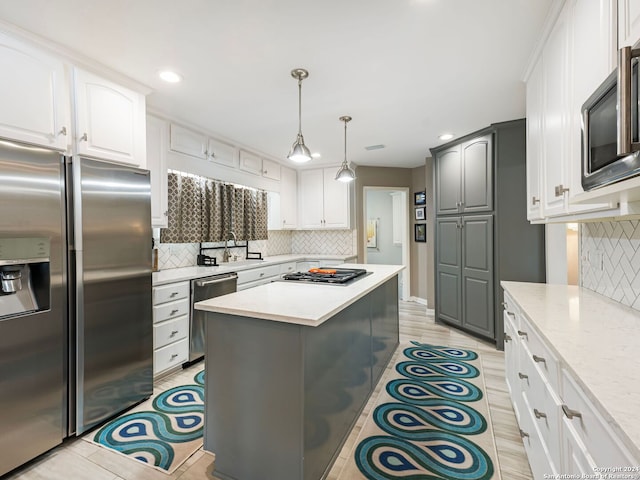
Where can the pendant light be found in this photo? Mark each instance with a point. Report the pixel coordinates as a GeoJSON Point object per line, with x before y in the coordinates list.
{"type": "Point", "coordinates": [345, 174]}
{"type": "Point", "coordinates": [299, 152]}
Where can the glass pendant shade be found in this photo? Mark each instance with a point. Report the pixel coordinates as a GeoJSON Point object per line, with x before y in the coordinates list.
{"type": "Point", "coordinates": [345, 174]}
{"type": "Point", "coordinates": [299, 152]}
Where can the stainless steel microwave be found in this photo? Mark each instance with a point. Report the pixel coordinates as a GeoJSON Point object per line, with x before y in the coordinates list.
{"type": "Point", "coordinates": [610, 133]}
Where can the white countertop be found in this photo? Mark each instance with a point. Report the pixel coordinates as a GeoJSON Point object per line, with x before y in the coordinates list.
{"type": "Point", "coordinates": [595, 338]}
{"type": "Point", "coordinates": [187, 273]}
{"type": "Point", "coordinates": [299, 302]}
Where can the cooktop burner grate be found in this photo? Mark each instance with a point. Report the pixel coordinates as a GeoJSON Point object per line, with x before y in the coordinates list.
{"type": "Point", "coordinates": [338, 275]}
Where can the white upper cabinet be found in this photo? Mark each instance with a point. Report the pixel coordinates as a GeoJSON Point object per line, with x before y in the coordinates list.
{"type": "Point", "coordinates": [577, 56]}
{"type": "Point", "coordinates": [157, 146]}
{"type": "Point", "coordinates": [534, 143]}
{"type": "Point", "coordinates": [288, 198]}
{"type": "Point", "coordinates": [221, 153]}
{"type": "Point", "coordinates": [271, 169]}
{"type": "Point", "coordinates": [188, 142]}
{"type": "Point", "coordinates": [110, 120]}
{"type": "Point", "coordinates": [35, 96]}
{"type": "Point", "coordinates": [628, 22]}
{"type": "Point", "coordinates": [250, 163]}
{"type": "Point", "coordinates": [324, 201]}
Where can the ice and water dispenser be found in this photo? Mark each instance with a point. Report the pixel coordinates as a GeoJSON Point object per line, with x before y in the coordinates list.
{"type": "Point", "coordinates": [25, 278]}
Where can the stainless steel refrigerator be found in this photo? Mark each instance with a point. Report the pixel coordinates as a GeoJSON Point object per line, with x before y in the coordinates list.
{"type": "Point", "coordinates": [76, 344]}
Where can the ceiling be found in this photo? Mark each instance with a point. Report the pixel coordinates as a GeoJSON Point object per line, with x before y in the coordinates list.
{"type": "Point", "coordinates": [405, 70]}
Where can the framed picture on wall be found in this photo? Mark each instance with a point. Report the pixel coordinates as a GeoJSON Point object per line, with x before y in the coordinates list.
{"type": "Point", "coordinates": [420, 232]}
{"type": "Point", "coordinates": [372, 233]}
{"type": "Point", "coordinates": [420, 213]}
{"type": "Point", "coordinates": [420, 198]}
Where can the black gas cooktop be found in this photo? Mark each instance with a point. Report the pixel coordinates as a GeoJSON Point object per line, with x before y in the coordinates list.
{"type": "Point", "coordinates": [339, 276]}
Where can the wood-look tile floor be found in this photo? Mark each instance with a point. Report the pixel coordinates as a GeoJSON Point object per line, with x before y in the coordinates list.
{"type": "Point", "coordinates": [78, 459]}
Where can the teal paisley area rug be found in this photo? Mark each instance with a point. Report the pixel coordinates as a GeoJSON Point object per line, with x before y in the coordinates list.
{"type": "Point", "coordinates": [430, 421]}
{"type": "Point", "coordinates": [161, 432]}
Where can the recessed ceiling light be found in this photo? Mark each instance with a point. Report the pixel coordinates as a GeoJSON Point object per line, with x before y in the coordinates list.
{"type": "Point", "coordinates": [169, 76]}
{"type": "Point", "coordinates": [316, 155]}
{"type": "Point", "coordinates": [446, 136]}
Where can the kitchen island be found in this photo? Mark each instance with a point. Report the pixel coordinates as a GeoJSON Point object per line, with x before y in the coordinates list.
{"type": "Point", "coordinates": [289, 367]}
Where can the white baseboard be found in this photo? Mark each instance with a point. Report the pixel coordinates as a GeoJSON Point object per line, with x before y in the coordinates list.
{"type": "Point", "coordinates": [430, 311]}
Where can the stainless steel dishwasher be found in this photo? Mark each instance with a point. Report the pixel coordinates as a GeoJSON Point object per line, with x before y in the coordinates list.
{"type": "Point", "coordinates": [204, 289]}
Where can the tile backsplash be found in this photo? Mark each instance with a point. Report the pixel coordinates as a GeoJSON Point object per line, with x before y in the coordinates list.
{"type": "Point", "coordinates": [280, 242]}
{"type": "Point", "coordinates": [610, 260]}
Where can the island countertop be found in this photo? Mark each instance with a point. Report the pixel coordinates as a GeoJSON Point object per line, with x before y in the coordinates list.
{"type": "Point", "coordinates": [300, 303]}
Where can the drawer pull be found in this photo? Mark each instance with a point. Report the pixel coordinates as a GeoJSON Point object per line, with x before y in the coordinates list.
{"type": "Point", "coordinates": [507, 337]}
{"type": "Point", "coordinates": [174, 311]}
{"type": "Point", "coordinates": [539, 414]}
{"type": "Point", "coordinates": [173, 294]}
{"type": "Point", "coordinates": [262, 274]}
{"type": "Point", "coordinates": [522, 375]}
{"type": "Point", "coordinates": [570, 413]}
{"type": "Point", "coordinates": [523, 334]}
{"type": "Point", "coordinates": [504, 305]}
{"type": "Point", "coordinates": [173, 333]}
{"type": "Point", "coordinates": [173, 357]}
{"type": "Point", "coordinates": [523, 434]}
{"type": "Point", "coordinates": [538, 359]}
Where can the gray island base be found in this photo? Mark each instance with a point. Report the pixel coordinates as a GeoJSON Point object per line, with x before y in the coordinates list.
{"type": "Point", "coordinates": [281, 398]}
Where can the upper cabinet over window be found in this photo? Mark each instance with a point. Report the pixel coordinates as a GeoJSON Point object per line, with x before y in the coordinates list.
{"type": "Point", "coordinates": [110, 120]}
{"type": "Point", "coordinates": [198, 145]}
{"type": "Point", "coordinates": [35, 96]}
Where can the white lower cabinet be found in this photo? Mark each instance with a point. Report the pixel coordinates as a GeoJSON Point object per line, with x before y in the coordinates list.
{"type": "Point", "coordinates": [170, 326]}
{"type": "Point", "coordinates": [562, 431]}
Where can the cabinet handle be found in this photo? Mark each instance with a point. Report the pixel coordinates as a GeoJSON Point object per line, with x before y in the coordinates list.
{"type": "Point", "coordinates": [173, 294]}
{"type": "Point", "coordinates": [534, 200]}
{"type": "Point", "coordinates": [173, 357]}
{"type": "Point", "coordinates": [213, 154]}
{"type": "Point", "coordinates": [523, 434]}
{"type": "Point", "coordinates": [560, 189]}
{"type": "Point", "coordinates": [522, 376]}
{"type": "Point", "coordinates": [504, 305]}
{"type": "Point", "coordinates": [523, 334]}
{"type": "Point", "coordinates": [63, 131]}
{"type": "Point", "coordinates": [166, 213]}
{"type": "Point", "coordinates": [570, 413]}
{"type": "Point", "coordinates": [206, 153]}
{"type": "Point", "coordinates": [173, 333]}
{"type": "Point", "coordinates": [264, 172]}
{"type": "Point", "coordinates": [174, 311]}
{"type": "Point", "coordinates": [507, 337]}
{"type": "Point", "coordinates": [262, 274]}
{"type": "Point", "coordinates": [83, 137]}
{"type": "Point", "coordinates": [538, 359]}
{"type": "Point", "coordinates": [539, 414]}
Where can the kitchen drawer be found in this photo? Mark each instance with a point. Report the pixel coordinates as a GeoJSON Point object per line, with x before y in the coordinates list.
{"type": "Point", "coordinates": [170, 356]}
{"type": "Point", "coordinates": [577, 460]}
{"type": "Point", "coordinates": [170, 292]}
{"type": "Point", "coordinates": [601, 442]}
{"type": "Point", "coordinates": [511, 310]}
{"type": "Point", "coordinates": [170, 331]}
{"type": "Point", "coordinates": [511, 356]}
{"type": "Point", "coordinates": [537, 453]}
{"type": "Point", "coordinates": [287, 267]}
{"type": "Point", "coordinates": [259, 273]}
{"type": "Point", "coordinates": [169, 310]}
{"type": "Point", "coordinates": [544, 406]}
{"type": "Point", "coordinates": [540, 354]}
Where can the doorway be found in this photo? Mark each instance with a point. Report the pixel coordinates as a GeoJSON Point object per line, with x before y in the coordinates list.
{"type": "Point", "coordinates": [386, 230]}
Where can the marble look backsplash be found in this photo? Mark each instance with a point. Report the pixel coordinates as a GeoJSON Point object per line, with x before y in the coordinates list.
{"type": "Point", "coordinates": [280, 242]}
{"type": "Point", "coordinates": [610, 260]}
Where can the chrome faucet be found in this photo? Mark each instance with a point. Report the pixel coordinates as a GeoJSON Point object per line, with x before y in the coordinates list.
{"type": "Point", "coordinates": [225, 253]}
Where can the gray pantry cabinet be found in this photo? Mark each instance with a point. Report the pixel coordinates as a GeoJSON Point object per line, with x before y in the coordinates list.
{"type": "Point", "coordinates": [482, 233]}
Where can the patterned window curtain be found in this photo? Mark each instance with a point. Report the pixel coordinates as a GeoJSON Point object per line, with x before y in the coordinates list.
{"type": "Point", "coordinates": [213, 209]}
{"type": "Point", "coordinates": [206, 210]}
{"type": "Point", "coordinates": [185, 210]}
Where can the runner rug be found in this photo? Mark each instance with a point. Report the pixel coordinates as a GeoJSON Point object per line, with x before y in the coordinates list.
{"type": "Point", "coordinates": [163, 431]}
{"type": "Point", "coordinates": [430, 421]}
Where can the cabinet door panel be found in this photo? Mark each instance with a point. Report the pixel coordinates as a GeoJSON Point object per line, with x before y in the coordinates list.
{"type": "Point", "coordinates": [448, 287]}
{"type": "Point", "coordinates": [250, 163]}
{"type": "Point", "coordinates": [311, 194]}
{"type": "Point", "coordinates": [221, 153]}
{"type": "Point", "coordinates": [477, 160]}
{"type": "Point", "coordinates": [448, 179]}
{"type": "Point", "coordinates": [535, 141]}
{"type": "Point", "coordinates": [288, 198]}
{"type": "Point", "coordinates": [628, 22]}
{"type": "Point", "coordinates": [187, 141]}
{"type": "Point", "coordinates": [270, 169]}
{"type": "Point", "coordinates": [157, 136]}
{"type": "Point", "coordinates": [336, 201]}
{"type": "Point", "coordinates": [477, 274]}
{"type": "Point", "coordinates": [111, 120]}
{"type": "Point", "coordinates": [28, 74]}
